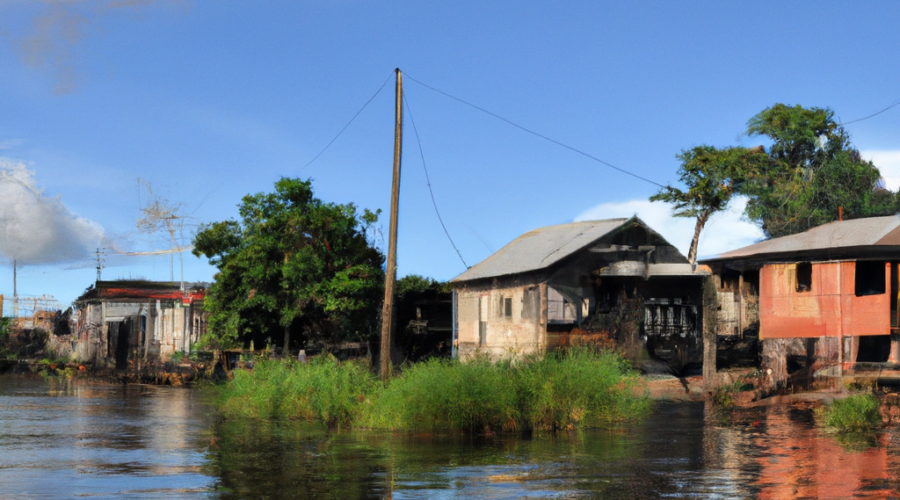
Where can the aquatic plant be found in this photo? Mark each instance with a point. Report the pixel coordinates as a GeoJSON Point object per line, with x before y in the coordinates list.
{"type": "Point", "coordinates": [723, 396]}
{"type": "Point", "coordinates": [444, 394]}
{"type": "Point", "coordinates": [858, 412]}
{"type": "Point", "coordinates": [576, 389]}
{"type": "Point", "coordinates": [324, 390]}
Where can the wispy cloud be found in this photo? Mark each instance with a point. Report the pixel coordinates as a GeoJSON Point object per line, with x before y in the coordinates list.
{"type": "Point", "coordinates": [9, 143]}
{"type": "Point", "coordinates": [36, 229]}
{"type": "Point", "coordinates": [725, 230]}
{"type": "Point", "coordinates": [56, 30]}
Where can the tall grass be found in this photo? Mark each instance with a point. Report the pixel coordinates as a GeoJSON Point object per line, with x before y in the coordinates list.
{"type": "Point", "coordinates": [853, 413]}
{"type": "Point", "coordinates": [442, 394]}
{"type": "Point", "coordinates": [578, 388]}
{"type": "Point", "coordinates": [324, 390]}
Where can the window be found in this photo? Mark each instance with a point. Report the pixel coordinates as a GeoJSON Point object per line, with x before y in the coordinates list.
{"type": "Point", "coordinates": [507, 307]}
{"type": "Point", "coordinates": [870, 278]}
{"type": "Point", "coordinates": [804, 276]}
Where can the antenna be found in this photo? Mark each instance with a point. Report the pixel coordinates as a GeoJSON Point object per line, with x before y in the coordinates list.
{"type": "Point", "coordinates": [101, 260]}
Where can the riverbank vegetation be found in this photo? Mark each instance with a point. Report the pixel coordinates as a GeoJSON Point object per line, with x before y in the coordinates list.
{"type": "Point", "coordinates": [571, 390]}
{"type": "Point", "coordinates": [858, 412]}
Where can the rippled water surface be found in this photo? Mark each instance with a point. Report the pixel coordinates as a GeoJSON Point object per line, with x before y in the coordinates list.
{"type": "Point", "coordinates": [71, 439]}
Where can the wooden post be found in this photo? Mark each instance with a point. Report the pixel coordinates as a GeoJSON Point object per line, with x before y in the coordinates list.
{"type": "Point", "coordinates": [740, 305]}
{"type": "Point", "coordinates": [387, 313]}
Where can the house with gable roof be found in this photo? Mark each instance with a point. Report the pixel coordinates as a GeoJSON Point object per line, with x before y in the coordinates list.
{"type": "Point", "coordinates": [556, 284]}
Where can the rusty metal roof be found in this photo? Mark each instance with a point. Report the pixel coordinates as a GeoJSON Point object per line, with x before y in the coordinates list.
{"type": "Point", "coordinates": [837, 235]}
{"type": "Point", "coordinates": [541, 248]}
{"type": "Point", "coordinates": [143, 290]}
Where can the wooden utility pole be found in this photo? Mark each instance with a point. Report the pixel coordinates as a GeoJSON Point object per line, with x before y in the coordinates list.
{"type": "Point", "coordinates": [387, 313]}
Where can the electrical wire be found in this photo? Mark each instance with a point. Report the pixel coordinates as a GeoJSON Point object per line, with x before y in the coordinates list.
{"type": "Point", "coordinates": [895, 103]}
{"type": "Point", "coordinates": [428, 181]}
{"type": "Point", "coordinates": [348, 124]}
{"type": "Point", "coordinates": [532, 132]}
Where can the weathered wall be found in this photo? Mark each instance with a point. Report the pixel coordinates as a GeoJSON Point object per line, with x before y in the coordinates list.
{"type": "Point", "coordinates": [483, 327]}
{"type": "Point", "coordinates": [829, 308]}
{"type": "Point", "coordinates": [738, 303]}
{"type": "Point", "coordinates": [169, 327]}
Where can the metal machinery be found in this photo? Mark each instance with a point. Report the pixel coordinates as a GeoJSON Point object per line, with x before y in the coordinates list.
{"type": "Point", "coordinates": [671, 329]}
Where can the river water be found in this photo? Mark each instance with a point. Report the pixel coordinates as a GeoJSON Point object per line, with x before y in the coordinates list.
{"type": "Point", "coordinates": [75, 439]}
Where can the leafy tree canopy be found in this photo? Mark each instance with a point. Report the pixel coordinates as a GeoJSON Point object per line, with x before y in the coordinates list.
{"type": "Point", "coordinates": [417, 283]}
{"type": "Point", "coordinates": [813, 169]}
{"type": "Point", "coordinates": [292, 261]}
{"type": "Point", "coordinates": [712, 177]}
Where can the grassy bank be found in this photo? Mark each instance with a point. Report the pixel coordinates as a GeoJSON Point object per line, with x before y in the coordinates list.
{"type": "Point", "coordinates": [853, 413]}
{"type": "Point", "coordinates": [580, 388]}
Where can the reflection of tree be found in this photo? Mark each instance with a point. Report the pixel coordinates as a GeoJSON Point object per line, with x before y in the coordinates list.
{"type": "Point", "coordinates": [257, 459]}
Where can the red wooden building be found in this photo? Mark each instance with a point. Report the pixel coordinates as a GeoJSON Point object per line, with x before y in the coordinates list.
{"type": "Point", "coordinates": [828, 294]}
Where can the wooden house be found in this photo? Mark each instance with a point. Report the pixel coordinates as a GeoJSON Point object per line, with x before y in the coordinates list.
{"type": "Point", "coordinates": [557, 285]}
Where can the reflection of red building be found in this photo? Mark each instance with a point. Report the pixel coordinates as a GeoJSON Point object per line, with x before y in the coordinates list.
{"type": "Point", "coordinates": [799, 461]}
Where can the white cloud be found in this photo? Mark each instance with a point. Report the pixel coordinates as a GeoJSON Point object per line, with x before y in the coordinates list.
{"type": "Point", "coordinates": [725, 230]}
{"type": "Point", "coordinates": [888, 162]}
{"type": "Point", "coordinates": [10, 143]}
{"type": "Point", "coordinates": [35, 229]}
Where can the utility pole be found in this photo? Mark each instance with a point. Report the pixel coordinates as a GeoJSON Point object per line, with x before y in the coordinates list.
{"type": "Point", "coordinates": [387, 313]}
{"type": "Point", "coordinates": [15, 312]}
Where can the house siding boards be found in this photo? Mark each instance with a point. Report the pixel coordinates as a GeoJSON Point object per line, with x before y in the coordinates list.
{"type": "Point", "coordinates": [830, 308]}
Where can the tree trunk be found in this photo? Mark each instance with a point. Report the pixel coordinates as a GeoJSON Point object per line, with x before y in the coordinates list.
{"type": "Point", "coordinates": [287, 341]}
{"type": "Point", "coordinates": [701, 221]}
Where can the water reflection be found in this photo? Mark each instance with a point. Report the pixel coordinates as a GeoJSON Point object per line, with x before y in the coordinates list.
{"type": "Point", "coordinates": [62, 439]}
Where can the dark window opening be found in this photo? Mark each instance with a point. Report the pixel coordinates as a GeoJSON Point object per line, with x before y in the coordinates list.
{"type": "Point", "coordinates": [795, 363]}
{"type": "Point", "coordinates": [804, 277]}
{"type": "Point", "coordinates": [507, 307]}
{"type": "Point", "coordinates": [870, 278]}
{"type": "Point", "coordinates": [873, 348]}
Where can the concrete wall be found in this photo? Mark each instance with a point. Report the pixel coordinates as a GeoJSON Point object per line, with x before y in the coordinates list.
{"type": "Point", "coordinates": [169, 327]}
{"type": "Point", "coordinates": [484, 327]}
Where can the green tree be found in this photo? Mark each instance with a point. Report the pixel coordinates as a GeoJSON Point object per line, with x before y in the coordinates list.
{"type": "Point", "coordinates": [418, 283]}
{"type": "Point", "coordinates": [712, 176]}
{"type": "Point", "coordinates": [292, 261]}
{"type": "Point", "coordinates": [813, 170]}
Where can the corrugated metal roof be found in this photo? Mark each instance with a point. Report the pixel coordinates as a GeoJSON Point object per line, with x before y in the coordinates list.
{"type": "Point", "coordinates": [540, 248]}
{"type": "Point", "coordinates": [871, 231]}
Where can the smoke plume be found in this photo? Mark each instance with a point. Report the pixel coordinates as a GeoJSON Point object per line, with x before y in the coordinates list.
{"type": "Point", "coordinates": [36, 229]}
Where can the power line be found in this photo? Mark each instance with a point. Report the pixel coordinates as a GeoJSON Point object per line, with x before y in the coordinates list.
{"type": "Point", "coordinates": [532, 132]}
{"type": "Point", "coordinates": [428, 181]}
{"type": "Point", "coordinates": [348, 123]}
{"type": "Point", "coordinates": [895, 103]}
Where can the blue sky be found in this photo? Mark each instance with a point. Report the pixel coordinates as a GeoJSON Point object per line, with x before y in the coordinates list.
{"type": "Point", "coordinates": [211, 100]}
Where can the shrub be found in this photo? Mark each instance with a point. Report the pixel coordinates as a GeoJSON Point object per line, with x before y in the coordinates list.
{"type": "Point", "coordinates": [853, 413]}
